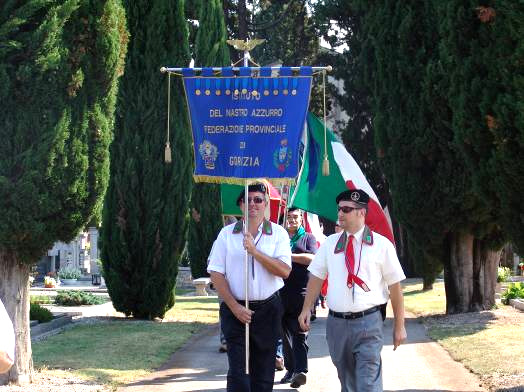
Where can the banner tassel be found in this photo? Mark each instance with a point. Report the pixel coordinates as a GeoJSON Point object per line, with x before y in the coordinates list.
{"type": "Point", "coordinates": [325, 167]}
{"type": "Point", "coordinates": [167, 151]}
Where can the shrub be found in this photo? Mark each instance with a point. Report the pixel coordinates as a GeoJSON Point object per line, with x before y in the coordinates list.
{"type": "Point", "coordinates": [514, 291]}
{"type": "Point", "coordinates": [40, 299]}
{"type": "Point", "coordinates": [69, 273]}
{"type": "Point", "coordinates": [503, 273]}
{"type": "Point", "coordinates": [36, 312]}
{"type": "Point", "coordinates": [77, 298]}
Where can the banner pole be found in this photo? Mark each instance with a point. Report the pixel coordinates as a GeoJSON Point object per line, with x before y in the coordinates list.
{"type": "Point", "coordinates": [246, 271]}
{"type": "Point", "coordinates": [219, 69]}
{"type": "Point", "coordinates": [246, 266]}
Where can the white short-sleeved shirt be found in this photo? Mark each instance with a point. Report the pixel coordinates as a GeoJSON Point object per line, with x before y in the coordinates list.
{"type": "Point", "coordinates": [7, 334]}
{"type": "Point", "coordinates": [379, 268]}
{"type": "Point", "coordinates": [227, 257]}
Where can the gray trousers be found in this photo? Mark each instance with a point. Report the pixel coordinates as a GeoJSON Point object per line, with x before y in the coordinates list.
{"type": "Point", "coordinates": [355, 346]}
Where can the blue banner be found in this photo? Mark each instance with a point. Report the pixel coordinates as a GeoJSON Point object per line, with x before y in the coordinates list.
{"type": "Point", "coordinates": [247, 125]}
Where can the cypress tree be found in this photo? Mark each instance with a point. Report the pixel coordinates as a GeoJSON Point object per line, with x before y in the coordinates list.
{"type": "Point", "coordinates": [416, 125]}
{"type": "Point", "coordinates": [59, 67]}
{"type": "Point", "coordinates": [144, 225]}
{"type": "Point", "coordinates": [484, 84]}
{"type": "Point", "coordinates": [206, 210]}
{"type": "Point", "coordinates": [505, 66]}
{"type": "Point", "coordinates": [358, 134]}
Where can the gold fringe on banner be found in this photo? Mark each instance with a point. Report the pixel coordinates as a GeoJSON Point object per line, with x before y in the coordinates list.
{"type": "Point", "coordinates": [242, 181]}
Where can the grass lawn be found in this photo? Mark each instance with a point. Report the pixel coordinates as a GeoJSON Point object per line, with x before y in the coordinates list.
{"type": "Point", "coordinates": [424, 303]}
{"type": "Point", "coordinates": [120, 351]}
{"type": "Point", "coordinates": [489, 343]}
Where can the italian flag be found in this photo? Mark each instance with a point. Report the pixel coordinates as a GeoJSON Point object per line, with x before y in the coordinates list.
{"type": "Point", "coordinates": [316, 193]}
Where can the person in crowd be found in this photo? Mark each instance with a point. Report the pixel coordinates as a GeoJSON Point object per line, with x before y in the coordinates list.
{"type": "Point", "coordinates": [222, 348]}
{"type": "Point", "coordinates": [269, 262]}
{"type": "Point", "coordinates": [7, 341]}
{"type": "Point", "coordinates": [364, 271]}
{"type": "Point", "coordinates": [303, 247]}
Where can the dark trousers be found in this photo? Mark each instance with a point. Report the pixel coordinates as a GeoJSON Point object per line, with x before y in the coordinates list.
{"type": "Point", "coordinates": [293, 339]}
{"type": "Point", "coordinates": [263, 335]}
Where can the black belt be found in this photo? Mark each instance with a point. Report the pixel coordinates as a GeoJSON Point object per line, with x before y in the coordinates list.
{"type": "Point", "coordinates": [350, 315]}
{"type": "Point", "coordinates": [256, 304]}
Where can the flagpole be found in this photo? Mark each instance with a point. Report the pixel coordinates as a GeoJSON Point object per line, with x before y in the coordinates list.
{"type": "Point", "coordinates": [304, 157]}
{"type": "Point", "coordinates": [280, 206]}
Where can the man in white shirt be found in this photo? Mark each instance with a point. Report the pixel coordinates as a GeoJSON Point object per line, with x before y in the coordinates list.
{"type": "Point", "coordinates": [7, 341]}
{"type": "Point", "coordinates": [364, 271]}
{"type": "Point", "coordinates": [269, 261]}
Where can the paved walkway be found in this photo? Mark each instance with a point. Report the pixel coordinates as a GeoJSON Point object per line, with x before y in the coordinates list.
{"type": "Point", "coordinates": [419, 365]}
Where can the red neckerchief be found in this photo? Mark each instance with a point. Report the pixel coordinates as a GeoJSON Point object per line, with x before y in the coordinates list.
{"type": "Point", "coordinates": [347, 244]}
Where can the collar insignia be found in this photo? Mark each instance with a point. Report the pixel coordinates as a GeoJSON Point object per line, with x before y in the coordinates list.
{"type": "Point", "coordinates": [266, 227]}
{"type": "Point", "coordinates": [238, 227]}
{"type": "Point", "coordinates": [341, 243]}
{"type": "Point", "coordinates": [367, 236]}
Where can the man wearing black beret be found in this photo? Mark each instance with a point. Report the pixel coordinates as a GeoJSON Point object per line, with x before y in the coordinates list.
{"type": "Point", "coordinates": [364, 271]}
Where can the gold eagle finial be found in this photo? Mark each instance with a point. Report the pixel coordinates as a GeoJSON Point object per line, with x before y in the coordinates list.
{"type": "Point", "coordinates": [246, 45]}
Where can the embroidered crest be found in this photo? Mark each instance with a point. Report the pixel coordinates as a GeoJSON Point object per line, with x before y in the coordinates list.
{"type": "Point", "coordinates": [355, 196]}
{"type": "Point", "coordinates": [282, 156]}
{"type": "Point", "coordinates": [209, 153]}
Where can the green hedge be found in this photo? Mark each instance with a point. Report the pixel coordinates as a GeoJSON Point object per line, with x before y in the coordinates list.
{"type": "Point", "coordinates": [76, 298]}
{"type": "Point", "coordinates": [42, 315]}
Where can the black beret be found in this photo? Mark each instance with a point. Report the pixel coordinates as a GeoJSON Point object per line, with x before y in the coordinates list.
{"type": "Point", "coordinates": [355, 195]}
{"type": "Point", "coordinates": [257, 187]}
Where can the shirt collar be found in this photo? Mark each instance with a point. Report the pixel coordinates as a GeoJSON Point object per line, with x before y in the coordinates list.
{"type": "Point", "coordinates": [357, 235]}
{"type": "Point", "coordinates": [364, 233]}
{"type": "Point", "coordinates": [265, 226]}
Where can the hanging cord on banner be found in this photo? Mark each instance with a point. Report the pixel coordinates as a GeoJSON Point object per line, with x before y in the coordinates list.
{"type": "Point", "coordinates": [167, 151]}
{"type": "Point", "coordinates": [280, 206]}
{"type": "Point", "coordinates": [325, 164]}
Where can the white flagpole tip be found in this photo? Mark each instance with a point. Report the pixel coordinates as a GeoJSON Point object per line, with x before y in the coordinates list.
{"type": "Point", "coordinates": [329, 68]}
{"type": "Point", "coordinates": [163, 69]}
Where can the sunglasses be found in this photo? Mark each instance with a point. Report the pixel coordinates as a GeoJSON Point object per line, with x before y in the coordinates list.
{"type": "Point", "coordinates": [256, 200]}
{"type": "Point", "coordinates": [347, 210]}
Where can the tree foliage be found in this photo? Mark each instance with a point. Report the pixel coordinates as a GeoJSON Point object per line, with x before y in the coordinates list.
{"type": "Point", "coordinates": [485, 92]}
{"type": "Point", "coordinates": [56, 117]}
{"type": "Point", "coordinates": [59, 67]}
{"type": "Point", "coordinates": [429, 71]}
{"type": "Point", "coordinates": [144, 222]}
{"type": "Point", "coordinates": [206, 210]}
